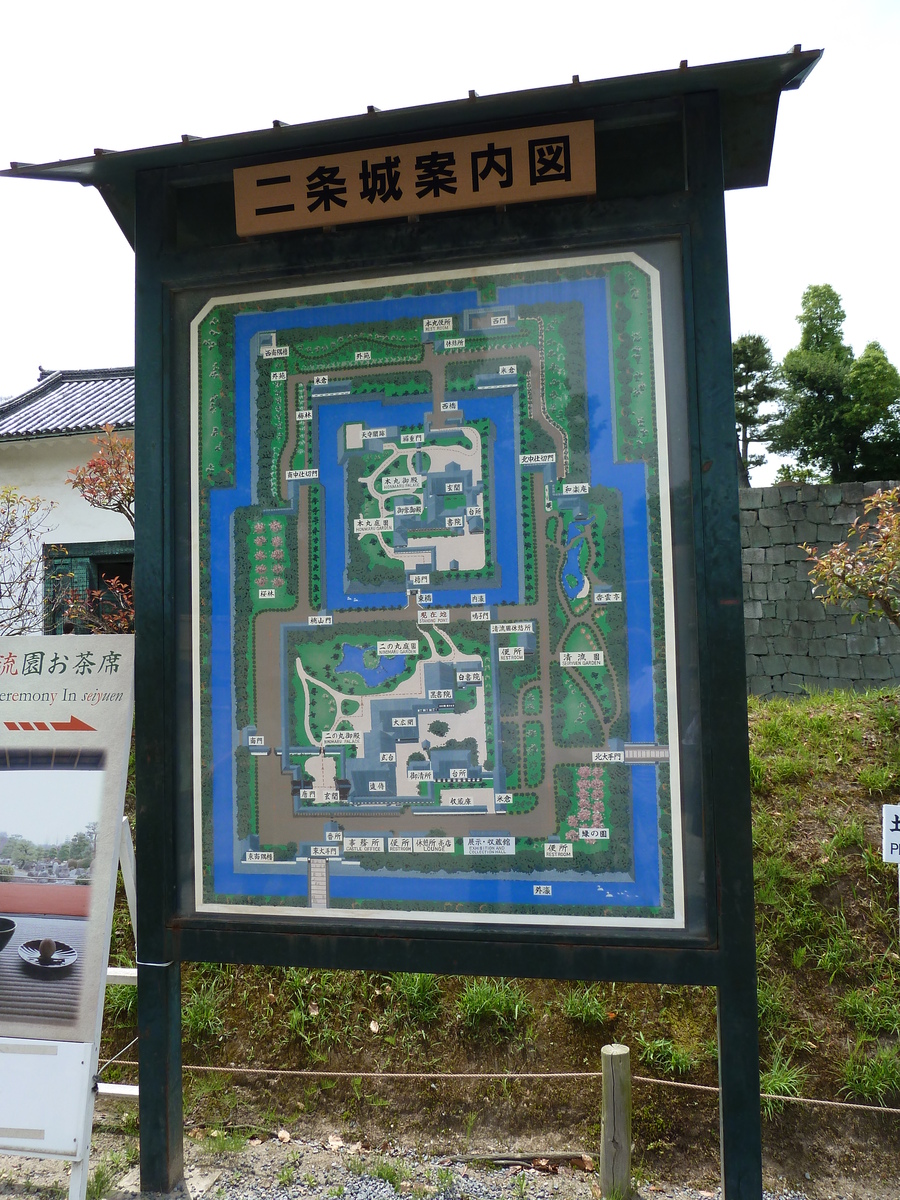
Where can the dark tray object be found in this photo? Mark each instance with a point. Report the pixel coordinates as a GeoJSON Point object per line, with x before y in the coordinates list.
{"type": "Point", "coordinates": [63, 958]}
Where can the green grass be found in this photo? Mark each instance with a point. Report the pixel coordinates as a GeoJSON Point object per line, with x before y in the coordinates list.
{"type": "Point", "coordinates": [498, 1004]}
{"type": "Point", "coordinates": [585, 1005]}
{"type": "Point", "coordinates": [201, 1014]}
{"type": "Point", "coordinates": [394, 1173]}
{"type": "Point", "coordinates": [665, 1055]}
{"type": "Point", "coordinates": [417, 995]}
{"type": "Point", "coordinates": [875, 1009]}
{"type": "Point", "coordinates": [782, 1077]}
{"type": "Point", "coordinates": [872, 1078]}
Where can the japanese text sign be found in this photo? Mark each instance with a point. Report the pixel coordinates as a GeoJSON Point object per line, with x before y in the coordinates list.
{"type": "Point", "coordinates": [890, 832]}
{"type": "Point", "coordinates": [426, 177]}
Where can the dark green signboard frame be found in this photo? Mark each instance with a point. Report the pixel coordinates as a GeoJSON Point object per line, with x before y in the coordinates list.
{"type": "Point", "coordinates": [667, 148]}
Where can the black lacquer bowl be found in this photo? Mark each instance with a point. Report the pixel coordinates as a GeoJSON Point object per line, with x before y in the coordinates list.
{"type": "Point", "coordinates": [7, 929]}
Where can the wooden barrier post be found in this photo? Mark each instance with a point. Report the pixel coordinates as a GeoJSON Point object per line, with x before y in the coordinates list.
{"type": "Point", "coordinates": [615, 1123]}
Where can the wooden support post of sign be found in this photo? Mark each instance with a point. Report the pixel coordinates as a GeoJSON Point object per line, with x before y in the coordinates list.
{"type": "Point", "coordinates": [615, 1123]}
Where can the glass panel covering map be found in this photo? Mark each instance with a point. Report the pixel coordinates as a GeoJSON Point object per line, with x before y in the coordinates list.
{"type": "Point", "coordinates": [433, 631]}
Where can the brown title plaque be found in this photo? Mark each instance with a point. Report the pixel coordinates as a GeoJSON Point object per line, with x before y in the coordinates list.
{"type": "Point", "coordinates": [440, 175]}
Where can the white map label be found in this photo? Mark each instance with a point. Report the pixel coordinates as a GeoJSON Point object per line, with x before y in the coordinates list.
{"type": "Point", "coordinates": [557, 850]}
{"type": "Point", "coordinates": [342, 737]}
{"type": "Point", "coordinates": [607, 756]}
{"type": "Point", "coordinates": [594, 834]}
{"type": "Point", "coordinates": [531, 460]}
{"type": "Point", "coordinates": [401, 483]}
{"type": "Point", "coordinates": [363, 845]}
{"type": "Point", "coordinates": [373, 524]}
{"type": "Point", "coordinates": [511, 653]}
{"type": "Point", "coordinates": [436, 324]}
{"type": "Point", "coordinates": [391, 648]}
{"type": "Point", "coordinates": [433, 845]}
{"type": "Point", "coordinates": [259, 856]}
{"type": "Point", "coordinates": [309, 473]}
{"type": "Point", "coordinates": [325, 852]}
{"type": "Point", "coordinates": [513, 627]}
{"type": "Point", "coordinates": [434, 616]}
{"type": "Point", "coordinates": [469, 677]}
{"type": "Point", "coordinates": [279, 376]}
{"type": "Point", "coordinates": [581, 658]}
{"type": "Point", "coordinates": [321, 619]}
{"type": "Point", "coordinates": [489, 845]}
{"type": "Point", "coordinates": [304, 414]}
{"type": "Point", "coordinates": [400, 845]}
{"type": "Point", "coordinates": [607, 597]}
{"type": "Point", "coordinates": [275, 351]}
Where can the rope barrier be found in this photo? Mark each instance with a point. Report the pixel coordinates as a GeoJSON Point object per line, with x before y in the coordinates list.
{"type": "Point", "coordinates": [507, 1076]}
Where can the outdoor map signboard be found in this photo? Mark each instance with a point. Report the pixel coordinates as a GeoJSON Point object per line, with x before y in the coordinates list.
{"type": "Point", "coordinates": [65, 731]}
{"type": "Point", "coordinates": [437, 564]}
{"type": "Point", "coordinates": [435, 661]}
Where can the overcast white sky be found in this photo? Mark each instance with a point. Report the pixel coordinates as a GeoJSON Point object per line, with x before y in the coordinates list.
{"type": "Point", "coordinates": [49, 807]}
{"type": "Point", "coordinates": [120, 76]}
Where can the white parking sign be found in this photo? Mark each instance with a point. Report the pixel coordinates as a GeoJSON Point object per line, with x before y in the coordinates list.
{"type": "Point", "coordinates": [890, 832]}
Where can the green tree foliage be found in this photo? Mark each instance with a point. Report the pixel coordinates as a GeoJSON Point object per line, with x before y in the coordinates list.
{"type": "Point", "coordinates": [867, 565]}
{"type": "Point", "coordinates": [755, 385]}
{"type": "Point", "coordinates": [837, 413]}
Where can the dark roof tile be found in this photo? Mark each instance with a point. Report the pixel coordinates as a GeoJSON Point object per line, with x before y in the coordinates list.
{"type": "Point", "coordinates": [71, 402]}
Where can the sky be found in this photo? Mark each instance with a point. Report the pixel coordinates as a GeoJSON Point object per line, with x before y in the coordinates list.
{"type": "Point", "coordinates": [122, 76]}
{"type": "Point", "coordinates": [49, 807]}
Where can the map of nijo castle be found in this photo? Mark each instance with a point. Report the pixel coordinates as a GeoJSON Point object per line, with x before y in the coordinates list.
{"type": "Point", "coordinates": [432, 622]}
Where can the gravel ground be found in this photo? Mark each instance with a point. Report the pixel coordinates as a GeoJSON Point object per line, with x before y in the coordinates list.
{"type": "Point", "coordinates": [292, 1169]}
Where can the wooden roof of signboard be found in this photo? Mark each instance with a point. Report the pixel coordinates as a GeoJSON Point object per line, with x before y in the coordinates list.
{"type": "Point", "coordinates": [749, 92]}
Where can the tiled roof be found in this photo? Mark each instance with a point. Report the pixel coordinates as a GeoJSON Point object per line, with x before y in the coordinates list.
{"type": "Point", "coordinates": [71, 402]}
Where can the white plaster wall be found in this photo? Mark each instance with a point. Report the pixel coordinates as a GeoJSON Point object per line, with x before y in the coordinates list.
{"type": "Point", "coordinates": [39, 467]}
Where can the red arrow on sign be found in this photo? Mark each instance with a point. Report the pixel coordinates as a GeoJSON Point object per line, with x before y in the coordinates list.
{"type": "Point", "coordinates": [73, 725]}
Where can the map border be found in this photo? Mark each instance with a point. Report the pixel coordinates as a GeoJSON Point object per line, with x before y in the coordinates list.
{"type": "Point", "coordinates": [351, 917]}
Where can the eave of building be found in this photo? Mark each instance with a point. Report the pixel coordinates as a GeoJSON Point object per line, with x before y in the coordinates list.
{"type": "Point", "coordinates": [69, 403]}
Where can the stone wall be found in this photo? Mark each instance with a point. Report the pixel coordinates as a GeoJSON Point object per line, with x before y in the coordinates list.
{"type": "Point", "coordinates": [794, 642]}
